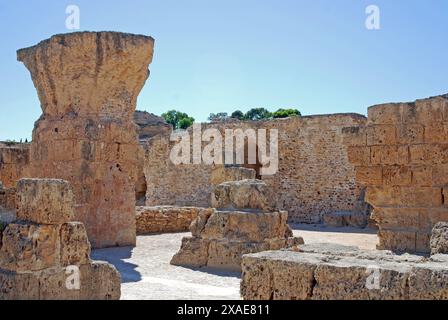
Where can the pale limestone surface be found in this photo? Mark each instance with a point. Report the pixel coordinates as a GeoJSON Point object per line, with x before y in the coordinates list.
{"type": "Point", "coordinates": [147, 273]}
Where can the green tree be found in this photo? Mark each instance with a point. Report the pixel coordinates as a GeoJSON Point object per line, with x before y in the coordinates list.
{"type": "Point", "coordinates": [286, 113]}
{"type": "Point", "coordinates": [185, 123]}
{"type": "Point", "coordinates": [220, 116]}
{"type": "Point", "coordinates": [256, 114]}
{"type": "Point", "coordinates": [179, 120]}
{"type": "Point", "coordinates": [237, 115]}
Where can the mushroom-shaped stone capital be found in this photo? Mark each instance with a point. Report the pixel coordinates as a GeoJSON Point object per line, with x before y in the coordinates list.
{"type": "Point", "coordinates": [89, 73]}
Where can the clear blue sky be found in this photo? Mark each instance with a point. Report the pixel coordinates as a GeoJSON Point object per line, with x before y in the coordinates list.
{"type": "Point", "coordinates": [222, 55]}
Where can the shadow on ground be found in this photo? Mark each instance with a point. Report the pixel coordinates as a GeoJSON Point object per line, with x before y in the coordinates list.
{"type": "Point", "coordinates": [214, 271]}
{"type": "Point", "coordinates": [117, 257]}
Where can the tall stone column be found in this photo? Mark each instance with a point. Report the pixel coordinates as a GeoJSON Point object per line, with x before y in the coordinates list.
{"type": "Point", "coordinates": [88, 85]}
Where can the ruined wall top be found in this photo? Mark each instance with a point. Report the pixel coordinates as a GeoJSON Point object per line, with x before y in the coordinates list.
{"type": "Point", "coordinates": [89, 73]}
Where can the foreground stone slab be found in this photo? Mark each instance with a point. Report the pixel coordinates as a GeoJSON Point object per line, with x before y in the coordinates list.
{"type": "Point", "coordinates": [165, 219]}
{"type": "Point", "coordinates": [325, 271]}
{"type": "Point", "coordinates": [439, 238]}
{"type": "Point", "coordinates": [88, 83]}
{"type": "Point", "coordinates": [46, 201]}
{"type": "Point", "coordinates": [242, 194]}
{"type": "Point", "coordinates": [97, 281]}
{"type": "Point", "coordinates": [220, 238]}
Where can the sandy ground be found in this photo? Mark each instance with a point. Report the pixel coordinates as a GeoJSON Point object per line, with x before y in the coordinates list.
{"type": "Point", "coordinates": [147, 274]}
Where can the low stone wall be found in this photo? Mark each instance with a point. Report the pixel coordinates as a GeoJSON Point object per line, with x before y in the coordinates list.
{"type": "Point", "coordinates": [333, 272]}
{"type": "Point", "coordinates": [314, 175]}
{"type": "Point", "coordinates": [164, 219]}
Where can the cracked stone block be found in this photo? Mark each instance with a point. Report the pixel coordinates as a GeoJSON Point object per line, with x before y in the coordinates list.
{"type": "Point", "coordinates": [75, 246]}
{"type": "Point", "coordinates": [243, 194]}
{"type": "Point", "coordinates": [44, 201]}
{"type": "Point", "coordinates": [245, 226]}
{"type": "Point", "coordinates": [29, 247]}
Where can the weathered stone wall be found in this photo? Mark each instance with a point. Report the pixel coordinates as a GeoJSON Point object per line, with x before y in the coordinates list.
{"type": "Point", "coordinates": [402, 158]}
{"type": "Point", "coordinates": [13, 163]}
{"type": "Point", "coordinates": [88, 85]}
{"type": "Point", "coordinates": [314, 177]}
{"type": "Point", "coordinates": [165, 219]}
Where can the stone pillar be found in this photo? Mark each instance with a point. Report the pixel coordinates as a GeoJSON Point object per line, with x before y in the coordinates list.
{"type": "Point", "coordinates": [88, 85]}
{"type": "Point", "coordinates": [402, 158]}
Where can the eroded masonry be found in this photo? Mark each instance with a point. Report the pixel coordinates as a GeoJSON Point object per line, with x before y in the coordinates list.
{"type": "Point", "coordinates": [88, 85]}
{"type": "Point", "coordinates": [97, 173]}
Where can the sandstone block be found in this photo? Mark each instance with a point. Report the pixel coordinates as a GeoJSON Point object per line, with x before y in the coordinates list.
{"type": "Point", "coordinates": [369, 176]}
{"type": "Point", "coordinates": [231, 173]}
{"type": "Point", "coordinates": [397, 175]}
{"type": "Point", "coordinates": [385, 114]}
{"type": "Point", "coordinates": [29, 247]}
{"type": "Point", "coordinates": [354, 136]}
{"type": "Point", "coordinates": [244, 194]}
{"type": "Point", "coordinates": [422, 176]}
{"type": "Point", "coordinates": [428, 282]}
{"type": "Point", "coordinates": [75, 246]}
{"type": "Point", "coordinates": [436, 132]}
{"type": "Point", "coordinates": [193, 253]}
{"type": "Point", "coordinates": [102, 281]}
{"type": "Point", "coordinates": [399, 241]}
{"type": "Point", "coordinates": [245, 226]}
{"type": "Point", "coordinates": [359, 156]}
{"type": "Point", "coordinates": [93, 281]}
{"type": "Point", "coordinates": [346, 219]}
{"type": "Point", "coordinates": [389, 155]}
{"type": "Point", "coordinates": [325, 271]}
{"type": "Point", "coordinates": [47, 201]}
{"type": "Point", "coordinates": [440, 175]}
{"type": "Point", "coordinates": [439, 238]}
{"type": "Point", "coordinates": [381, 135]}
{"type": "Point", "coordinates": [383, 196]}
{"type": "Point", "coordinates": [410, 134]}
{"type": "Point", "coordinates": [14, 286]}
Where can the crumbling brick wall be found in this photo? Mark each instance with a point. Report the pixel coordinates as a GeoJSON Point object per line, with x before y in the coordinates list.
{"type": "Point", "coordinates": [314, 176]}
{"type": "Point", "coordinates": [401, 155]}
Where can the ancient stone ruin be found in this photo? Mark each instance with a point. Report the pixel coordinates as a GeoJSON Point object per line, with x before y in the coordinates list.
{"type": "Point", "coordinates": [334, 272]}
{"type": "Point", "coordinates": [45, 255]}
{"type": "Point", "coordinates": [401, 156]}
{"type": "Point", "coordinates": [88, 85]}
{"type": "Point", "coordinates": [242, 221]}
